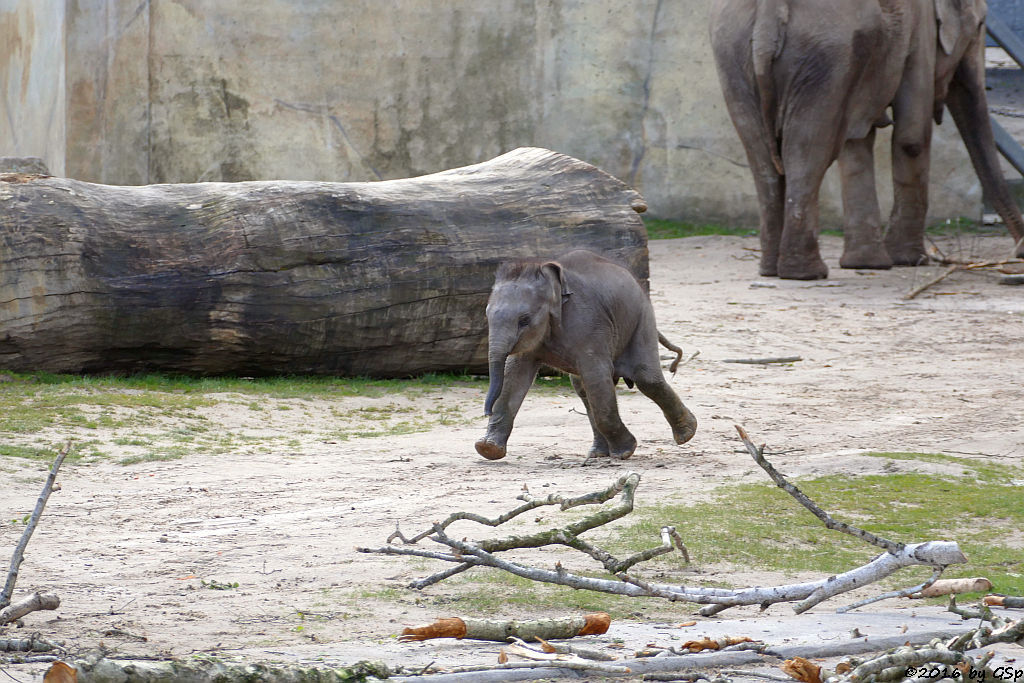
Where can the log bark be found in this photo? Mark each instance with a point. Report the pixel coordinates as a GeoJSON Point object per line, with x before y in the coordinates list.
{"type": "Point", "coordinates": [378, 279]}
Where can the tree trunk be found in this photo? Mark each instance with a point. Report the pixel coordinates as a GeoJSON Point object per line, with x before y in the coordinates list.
{"type": "Point", "coordinates": [379, 279]}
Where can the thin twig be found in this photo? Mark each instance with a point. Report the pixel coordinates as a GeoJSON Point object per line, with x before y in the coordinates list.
{"type": "Point", "coordinates": [937, 279]}
{"type": "Point", "coordinates": [19, 552]}
{"type": "Point", "coordinates": [763, 361]}
{"type": "Point", "coordinates": [780, 481]}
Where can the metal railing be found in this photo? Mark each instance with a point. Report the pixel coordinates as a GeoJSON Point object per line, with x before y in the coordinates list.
{"type": "Point", "coordinates": [1008, 40]}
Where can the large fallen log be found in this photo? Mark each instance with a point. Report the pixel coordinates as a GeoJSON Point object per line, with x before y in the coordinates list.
{"type": "Point", "coordinates": [381, 279]}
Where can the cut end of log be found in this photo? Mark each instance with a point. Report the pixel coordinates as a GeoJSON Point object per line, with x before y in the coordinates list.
{"type": "Point", "coordinates": [953, 586]}
{"type": "Point", "coordinates": [596, 624]}
{"type": "Point", "coordinates": [802, 670]}
{"type": "Point", "coordinates": [442, 628]}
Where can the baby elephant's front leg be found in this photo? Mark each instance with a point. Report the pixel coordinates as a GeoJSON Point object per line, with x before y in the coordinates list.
{"type": "Point", "coordinates": [519, 375]}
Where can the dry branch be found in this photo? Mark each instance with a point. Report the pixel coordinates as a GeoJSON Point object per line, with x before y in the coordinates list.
{"type": "Point", "coordinates": [467, 554]}
{"type": "Point", "coordinates": [501, 630]}
{"type": "Point", "coordinates": [954, 266]}
{"type": "Point", "coordinates": [764, 361]}
{"type": "Point", "coordinates": [19, 551]}
{"type": "Point", "coordinates": [202, 669]}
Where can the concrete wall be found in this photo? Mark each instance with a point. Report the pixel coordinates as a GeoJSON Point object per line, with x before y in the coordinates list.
{"type": "Point", "coordinates": [32, 85]}
{"type": "Point", "coordinates": [191, 90]}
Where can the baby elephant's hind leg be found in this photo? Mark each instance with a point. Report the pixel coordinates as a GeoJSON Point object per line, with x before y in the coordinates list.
{"type": "Point", "coordinates": [600, 445]}
{"type": "Point", "coordinates": [651, 381]}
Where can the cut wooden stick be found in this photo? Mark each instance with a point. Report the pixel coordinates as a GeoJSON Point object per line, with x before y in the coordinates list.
{"type": "Point", "coordinates": [764, 361]}
{"type": "Point", "coordinates": [951, 586]}
{"type": "Point", "coordinates": [19, 551]}
{"type": "Point", "coordinates": [501, 630]}
{"type": "Point", "coordinates": [33, 603]}
{"type": "Point", "coordinates": [1003, 601]}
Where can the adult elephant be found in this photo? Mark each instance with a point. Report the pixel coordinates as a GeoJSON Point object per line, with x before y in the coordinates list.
{"type": "Point", "coordinates": [809, 81]}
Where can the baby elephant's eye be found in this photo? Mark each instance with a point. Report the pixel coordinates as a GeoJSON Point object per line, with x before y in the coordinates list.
{"type": "Point", "coordinates": [524, 320]}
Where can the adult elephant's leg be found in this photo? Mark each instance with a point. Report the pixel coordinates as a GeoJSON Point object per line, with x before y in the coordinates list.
{"type": "Point", "coordinates": [600, 445]}
{"type": "Point", "coordinates": [862, 228]}
{"type": "Point", "coordinates": [519, 375]}
{"type": "Point", "coordinates": [599, 386]}
{"type": "Point", "coordinates": [911, 154]}
{"type": "Point", "coordinates": [732, 56]}
{"type": "Point", "coordinates": [771, 193]}
{"type": "Point", "coordinates": [806, 162]}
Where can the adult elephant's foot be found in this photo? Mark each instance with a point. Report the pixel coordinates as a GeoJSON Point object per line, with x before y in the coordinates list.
{"type": "Point", "coordinates": [624, 449]}
{"type": "Point", "coordinates": [802, 269]}
{"type": "Point", "coordinates": [598, 449]}
{"type": "Point", "coordinates": [868, 257]}
{"type": "Point", "coordinates": [684, 429]}
{"type": "Point", "coordinates": [907, 255]}
{"type": "Point", "coordinates": [490, 450]}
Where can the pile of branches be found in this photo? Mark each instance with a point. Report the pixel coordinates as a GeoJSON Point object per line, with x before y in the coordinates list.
{"type": "Point", "coordinates": [466, 554]}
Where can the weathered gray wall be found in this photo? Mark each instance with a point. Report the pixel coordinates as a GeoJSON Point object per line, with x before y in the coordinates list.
{"type": "Point", "coordinates": [32, 86]}
{"type": "Point", "coordinates": [189, 90]}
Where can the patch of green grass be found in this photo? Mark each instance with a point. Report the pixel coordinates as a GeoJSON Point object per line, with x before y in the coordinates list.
{"type": "Point", "coordinates": [33, 453]}
{"type": "Point", "coordinates": [760, 526]}
{"type": "Point", "coordinates": [660, 228]}
{"type": "Point", "coordinates": [162, 417]}
{"type": "Point", "coordinates": [663, 229]}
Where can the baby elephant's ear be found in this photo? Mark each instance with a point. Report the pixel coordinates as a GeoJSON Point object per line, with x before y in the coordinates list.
{"type": "Point", "coordinates": [553, 269]}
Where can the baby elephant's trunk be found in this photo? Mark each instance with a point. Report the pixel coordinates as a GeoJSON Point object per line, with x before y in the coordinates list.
{"type": "Point", "coordinates": [496, 368]}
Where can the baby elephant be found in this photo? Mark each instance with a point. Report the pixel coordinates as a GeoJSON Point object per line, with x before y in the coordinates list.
{"type": "Point", "coordinates": [586, 316]}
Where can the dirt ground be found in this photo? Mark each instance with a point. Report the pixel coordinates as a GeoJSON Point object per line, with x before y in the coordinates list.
{"type": "Point", "coordinates": [128, 548]}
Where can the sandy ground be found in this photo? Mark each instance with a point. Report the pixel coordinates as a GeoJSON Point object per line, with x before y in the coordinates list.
{"type": "Point", "coordinates": [128, 548]}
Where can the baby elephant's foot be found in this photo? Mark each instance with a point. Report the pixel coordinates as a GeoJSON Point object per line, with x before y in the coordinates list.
{"type": "Point", "coordinates": [684, 429]}
{"type": "Point", "coordinates": [490, 450]}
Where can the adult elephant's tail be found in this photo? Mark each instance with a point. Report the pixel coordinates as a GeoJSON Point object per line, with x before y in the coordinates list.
{"type": "Point", "coordinates": [766, 44]}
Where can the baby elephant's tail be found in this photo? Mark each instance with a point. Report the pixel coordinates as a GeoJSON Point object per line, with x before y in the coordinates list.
{"type": "Point", "coordinates": [671, 347]}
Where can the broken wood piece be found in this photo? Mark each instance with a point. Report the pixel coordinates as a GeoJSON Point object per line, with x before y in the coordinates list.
{"type": "Point", "coordinates": [714, 643]}
{"type": "Point", "coordinates": [1012, 279]}
{"type": "Point", "coordinates": [33, 603]}
{"type": "Point", "coordinates": [31, 644]}
{"type": "Point", "coordinates": [500, 630]}
{"type": "Point", "coordinates": [568, 649]}
{"type": "Point", "coordinates": [764, 361]}
{"type": "Point", "coordinates": [521, 649]}
{"type": "Point", "coordinates": [1003, 601]}
{"type": "Point", "coordinates": [802, 670]}
{"type": "Point", "coordinates": [951, 586]}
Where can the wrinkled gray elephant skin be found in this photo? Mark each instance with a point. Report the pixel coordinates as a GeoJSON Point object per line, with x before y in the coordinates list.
{"type": "Point", "coordinates": [807, 82]}
{"type": "Point", "coordinates": [586, 316]}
